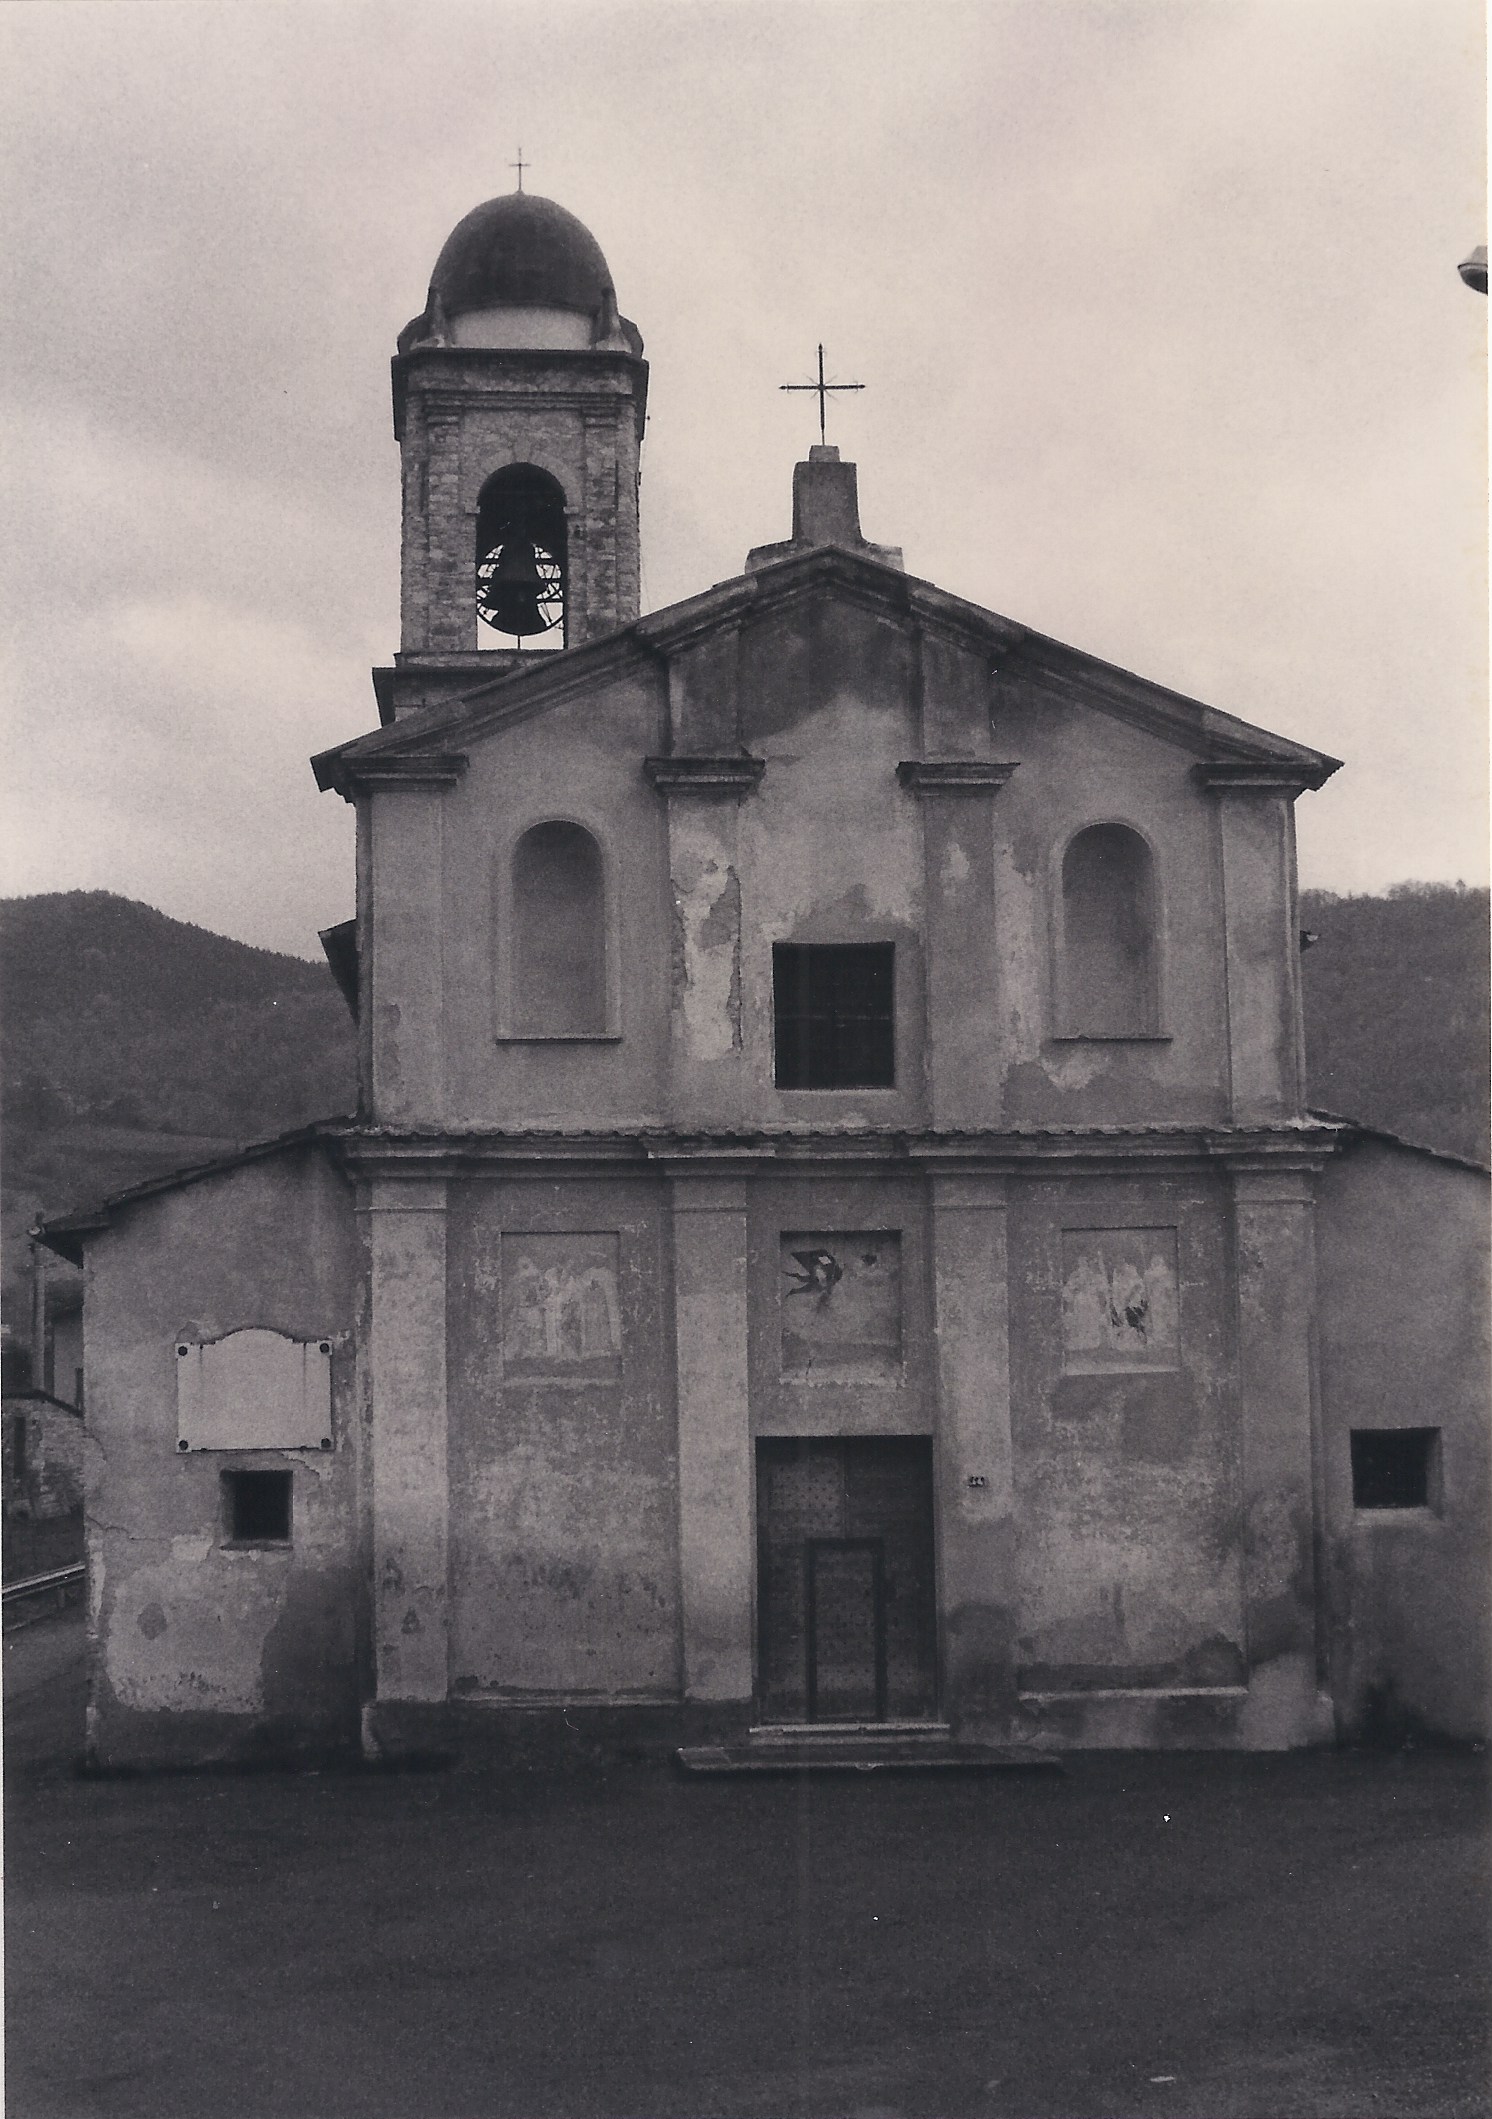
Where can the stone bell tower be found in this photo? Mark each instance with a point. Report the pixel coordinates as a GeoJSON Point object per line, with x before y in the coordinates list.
{"type": "Point", "coordinates": [519, 399]}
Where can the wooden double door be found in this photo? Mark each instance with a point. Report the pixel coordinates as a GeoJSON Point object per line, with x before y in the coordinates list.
{"type": "Point", "coordinates": [846, 1626]}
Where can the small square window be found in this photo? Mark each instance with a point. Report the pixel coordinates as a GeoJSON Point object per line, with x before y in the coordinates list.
{"type": "Point", "coordinates": [1395, 1467]}
{"type": "Point", "coordinates": [834, 1010]}
{"type": "Point", "coordinates": [256, 1507]}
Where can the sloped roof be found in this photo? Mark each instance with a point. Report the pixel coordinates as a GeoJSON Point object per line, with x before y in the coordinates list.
{"type": "Point", "coordinates": [1356, 1129]}
{"type": "Point", "coordinates": [439, 733]}
{"type": "Point", "coordinates": [65, 1233]}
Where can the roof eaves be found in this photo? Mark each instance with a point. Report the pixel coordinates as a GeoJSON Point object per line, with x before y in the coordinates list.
{"type": "Point", "coordinates": [1204, 729]}
{"type": "Point", "coordinates": [65, 1233]}
{"type": "Point", "coordinates": [1359, 1129]}
{"type": "Point", "coordinates": [493, 701]}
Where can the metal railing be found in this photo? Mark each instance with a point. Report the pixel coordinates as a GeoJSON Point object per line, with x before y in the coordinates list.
{"type": "Point", "coordinates": [58, 1582]}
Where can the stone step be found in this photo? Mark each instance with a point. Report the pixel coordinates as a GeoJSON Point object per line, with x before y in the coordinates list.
{"type": "Point", "coordinates": [862, 1751]}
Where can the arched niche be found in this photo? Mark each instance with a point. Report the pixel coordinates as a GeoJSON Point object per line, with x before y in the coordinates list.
{"type": "Point", "coordinates": [558, 932]}
{"type": "Point", "coordinates": [522, 560]}
{"type": "Point", "coordinates": [1109, 954]}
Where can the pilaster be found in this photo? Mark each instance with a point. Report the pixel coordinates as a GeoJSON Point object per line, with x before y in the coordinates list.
{"type": "Point", "coordinates": [975, 1456]}
{"type": "Point", "coordinates": [1274, 1212]}
{"type": "Point", "coordinates": [715, 1470]}
{"type": "Point", "coordinates": [1256, 828]}
{"type": "Point", "coordinates": [963, 974]}
{"type": "Point", "coordinates": [406, 1392]}
{"type": "Point", "coordinates": [404, 916]}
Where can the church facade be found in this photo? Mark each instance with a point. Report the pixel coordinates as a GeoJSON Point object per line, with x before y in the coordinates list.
{"type": "Point", "coordinates": [833, 1241]}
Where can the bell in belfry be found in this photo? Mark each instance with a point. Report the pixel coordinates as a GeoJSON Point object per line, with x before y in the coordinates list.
{"type": "Point", "coordinates": [510, 588]}
{"type": "Point", "coordinates": [521, 553]}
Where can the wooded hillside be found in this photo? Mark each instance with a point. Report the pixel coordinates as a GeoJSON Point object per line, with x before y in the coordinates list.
{"type": "Point", "coordinates": [133, 1043]}
{"type": "Point", "coordinates": [1396, 1008]}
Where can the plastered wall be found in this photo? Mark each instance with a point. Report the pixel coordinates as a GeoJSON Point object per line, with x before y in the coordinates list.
{"type": "Point", "coordinates": [1402, 1243]}
{"type": "Point", "coordinates": [582, 761]}
{"type": "Point", "coordinates": [830, 845]}
{"type": "Point", "coordinates": [562, 1452]}
{"type": "Point", "coordinates": [1127, 1476]}
{"type": "Point", "coordinates": [203, 1650]}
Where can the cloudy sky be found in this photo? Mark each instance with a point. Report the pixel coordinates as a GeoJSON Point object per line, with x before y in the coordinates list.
{"type": "Point", "coordinates": [1155, 302]}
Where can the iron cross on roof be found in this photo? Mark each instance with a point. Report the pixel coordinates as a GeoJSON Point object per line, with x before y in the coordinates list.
{"type": "Point", "coordinates": [821, 389]}
{"type": "Point", "coordinates": [520, 165]}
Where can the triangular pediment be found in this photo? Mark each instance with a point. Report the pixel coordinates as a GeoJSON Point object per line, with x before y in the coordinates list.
{"type": "Point", "coordinates": [429, 744]}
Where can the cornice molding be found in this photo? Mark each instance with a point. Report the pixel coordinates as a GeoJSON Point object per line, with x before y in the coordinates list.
{"type": "Point", "coordinates": [1037, 1153]}
{"type": "Point", "coordinates": [1257, 776]}
{"type": "Point", "coordinates": [402, 769]}
{"type": "Point", "coordinates": [716, 779]}
{"type": "Point", "coordinates": [954, 776]}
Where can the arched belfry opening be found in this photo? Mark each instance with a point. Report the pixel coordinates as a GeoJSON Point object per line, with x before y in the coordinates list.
{"type": "Point", "coordinates": [522, 560]}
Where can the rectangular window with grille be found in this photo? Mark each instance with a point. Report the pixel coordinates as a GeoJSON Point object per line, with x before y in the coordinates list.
{"type": "Point", "coordinates": [834, 1010]}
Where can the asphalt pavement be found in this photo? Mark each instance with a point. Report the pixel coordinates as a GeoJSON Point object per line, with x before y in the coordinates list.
{"type": "Point", "coordinates": [1199, 1937]}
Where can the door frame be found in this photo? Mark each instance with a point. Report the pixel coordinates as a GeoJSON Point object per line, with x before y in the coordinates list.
{"type": "Point", "coordinates": [759, 1636]}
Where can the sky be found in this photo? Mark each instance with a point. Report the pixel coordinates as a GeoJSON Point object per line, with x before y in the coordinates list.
{"type": "Point", "coordinates": [1155, 303]}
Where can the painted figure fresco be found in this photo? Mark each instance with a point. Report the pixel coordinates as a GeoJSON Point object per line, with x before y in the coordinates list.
{"type": "Point", "coordinates": [841, 1307]}
{"type": "Point", "coordinates": [1119, 1301]}
{"type": "Point", "coordinates": [560, 1312]}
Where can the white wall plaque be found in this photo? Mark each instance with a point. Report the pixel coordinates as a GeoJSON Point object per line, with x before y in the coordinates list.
{"type": "Point", "coordinates": [253, 1390]}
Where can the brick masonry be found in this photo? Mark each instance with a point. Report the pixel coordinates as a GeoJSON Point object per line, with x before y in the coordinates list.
{"type": "Point", "coordinates": [469, 413]}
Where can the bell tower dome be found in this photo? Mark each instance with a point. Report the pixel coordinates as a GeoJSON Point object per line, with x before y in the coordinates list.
{"type": "Point", "coordinates": [519, 399]}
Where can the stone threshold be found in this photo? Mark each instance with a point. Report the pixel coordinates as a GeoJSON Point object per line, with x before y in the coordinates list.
{"type": "Point", "coordinates": [863, 1747]}
{"type": "Point", "coordinates": [1079, 1694]}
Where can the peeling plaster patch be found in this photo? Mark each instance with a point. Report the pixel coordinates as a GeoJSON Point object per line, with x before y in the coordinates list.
{"type": "Point", "coordinates": [709, 919]}
{"type": "Point", "coordinates": [955, 871]}
{"type": "Point", "coordinates": [721, 923]}
{"type": "Point", "coordinates": [193, 1642]}
{"type": "Point", "coordinates": [1076, 1067]}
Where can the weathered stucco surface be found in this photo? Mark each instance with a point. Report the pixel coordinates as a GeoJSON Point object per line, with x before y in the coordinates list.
{"type": "Point", "coordinates": [1403, 1243]}
{"type": "Point", "coordinates": [1127, 1475]}
{"type": "Point", "coordinates": [563, 1502]}
{"type": "Point", "coordinates": [830, 843]}
{"type": "Point", "coordinates": [582, 762]}
{"type": "Point", "coordinates": [830, 846]}
{"type": "Point", "coordinates": [201, 1648]}
{"type": "Point", "coordinates": [593, 1273]}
